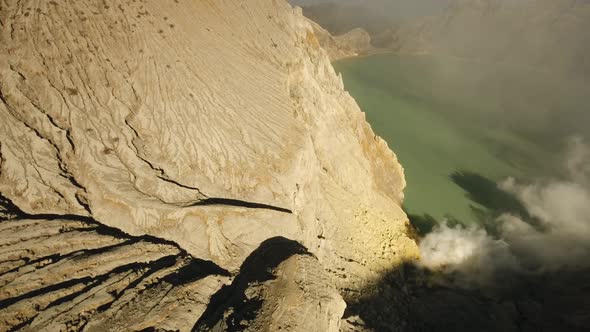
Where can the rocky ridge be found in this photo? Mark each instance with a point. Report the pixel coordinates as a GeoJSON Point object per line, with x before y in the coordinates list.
{"type": "Point", "coordinates": [353, 43]}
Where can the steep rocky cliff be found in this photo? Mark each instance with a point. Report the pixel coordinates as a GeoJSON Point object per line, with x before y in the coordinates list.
{"type": "Point", "coordinates": [184, 164]}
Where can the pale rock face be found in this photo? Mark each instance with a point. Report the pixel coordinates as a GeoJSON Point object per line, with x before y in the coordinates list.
{"type": "Point", "coordinates": [280, 276]}
{"type": "Point", "coordinates": [356, 39]}
{"type": "Point", "coordinates": [214, 125]}
{"type": "Point", "coordinates": [353, 43]}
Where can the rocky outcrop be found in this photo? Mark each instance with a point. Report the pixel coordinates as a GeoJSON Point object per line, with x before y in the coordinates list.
{"type": "Point", "coordinates": [358, 40]}
{"type": "Point", "coordinates": [68, 273]}
{"type": "Point", "coordinates": [198, 131]}
{"type": "Point", "coordinates": [257, 299]}
{"type": "Point", "coordinates": [353, 43]}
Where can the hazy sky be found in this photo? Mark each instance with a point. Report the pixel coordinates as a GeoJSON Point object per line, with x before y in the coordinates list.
{"type": "Point", "coordinates": [393, 8]}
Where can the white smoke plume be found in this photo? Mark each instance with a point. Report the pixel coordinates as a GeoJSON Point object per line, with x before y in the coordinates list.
{"type": "Point", "coordinates": [471, 254]}
{"type": "Point", "coordinates": [560, 241]}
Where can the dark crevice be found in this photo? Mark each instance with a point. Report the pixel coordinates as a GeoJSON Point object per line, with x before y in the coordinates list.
{"type": "Point", "coordinates": [70, 139]}
{"type": "Point", "coordinates": [14, 260]}
{"type": "Point", "coordinates": [81, 253]}
{"type": "Point", "coordinates": [161, 177]}
{"type": "Point", "coordinates": [64, 229]}
{"type": "Point", "coordinates": [136, 134]}
{"type": "Point", "coordinates": [196, 269]}
{"type": "Point", "coordinates": [86, 229]}
{"type": "Point", "coordinates": [18, 72]}
{"type": "Point", "coordinates": [161, 174]}
{"type": "Point", "coordinates": [34, 130]}
{"type": "Point", "coordinates": [101, 229]}
{"type": "Point", "coordinates": [90, 282]}
{"type": "Point", "coordinates": [93, 281]}
{"type": "Point", "coordinates": [131, 127]}
{"type": "Point", "coordinates": [157, 265]}
{"type": "Point", "coordinates": [73, 295]}
{"type": "Point", "coordinates": [65, 173]}
{"type": "Point", "coordinates": [153, 267]}
{"type": "Point", "coordinates": [22, 325]}
{"type": "Point", "coordinates": [84, 205]}
{"type": "Point", "coordinates": [3, 99]}
{"type": "Point", "coordinates": [67, 131]}
{"type": "Point", "coordinates": [154, 329]}
{"type": "Point", "coordinates": [29, 262]}
{"type": "Point", "coordinates": [8, 210]}
{"type": "Point", "coordinates": [239, 203]}
{"type": "Point", "coordinates": [66, 284]}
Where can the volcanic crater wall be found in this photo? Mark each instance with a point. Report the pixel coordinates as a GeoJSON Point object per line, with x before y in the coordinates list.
{"type": "Point", "coordinates": [201, 130]}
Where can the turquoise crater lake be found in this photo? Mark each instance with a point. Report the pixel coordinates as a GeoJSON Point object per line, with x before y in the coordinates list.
{"type": "Point", "coordinates": [443, 133]}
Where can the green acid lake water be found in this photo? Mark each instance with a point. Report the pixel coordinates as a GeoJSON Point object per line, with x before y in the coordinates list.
{"type": "Point", "coordinates": [437, 130]}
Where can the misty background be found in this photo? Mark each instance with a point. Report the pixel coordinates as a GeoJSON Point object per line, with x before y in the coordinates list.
{"type": "Point", "coordinates": [526, 63]}
{"type": "Point", "coordinates": [521, 67]}
{"type": "Point", "coordinates": [338, 16]}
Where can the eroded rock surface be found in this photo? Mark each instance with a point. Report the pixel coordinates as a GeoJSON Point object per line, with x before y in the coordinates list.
{"type": "Point", "coordinates": [70, 273]}
{"type": "Point", "coordinates": [211, 126]}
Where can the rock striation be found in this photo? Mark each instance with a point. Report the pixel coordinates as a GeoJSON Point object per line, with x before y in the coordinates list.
{"type": "Point", "coordinates": [152, 151]}
{"type": "Point", "coordinates": [69, 273]}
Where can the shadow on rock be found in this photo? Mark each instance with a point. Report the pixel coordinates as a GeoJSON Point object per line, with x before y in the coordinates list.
{"type": "Point", "coordinates": [231, 303]}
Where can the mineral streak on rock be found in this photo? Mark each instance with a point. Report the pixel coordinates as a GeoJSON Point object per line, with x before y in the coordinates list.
{"type": "Point", "coordinates": [200, 130]}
